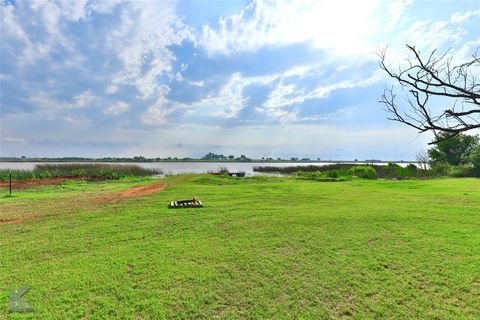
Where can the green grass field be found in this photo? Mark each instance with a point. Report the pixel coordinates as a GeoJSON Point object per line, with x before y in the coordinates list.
{"type": "Point", "coordinates": [261, 247]}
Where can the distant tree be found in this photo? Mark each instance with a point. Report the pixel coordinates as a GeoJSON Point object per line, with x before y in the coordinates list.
{"type": "Point", "coordinates": [435, 75]}
{"type": "Point", "coordinates": [423, 158]}
{"type": "Point", "coordinates": [231, 157]}
{"type": "Point", "coordinates": [453, 150]}
{"type": "Point", "coordinates": [213, 156]}
{"type": "Point", "coordinates": [243, 158]}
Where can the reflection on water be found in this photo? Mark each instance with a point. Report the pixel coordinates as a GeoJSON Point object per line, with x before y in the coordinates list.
{"type": "Point", "coordinates": [189, 167]}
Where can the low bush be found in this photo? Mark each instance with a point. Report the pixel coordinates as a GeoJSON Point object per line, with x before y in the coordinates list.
{"type": "Point", "coordinates": [333, 174]}
{"type": "Point", "coordinates": [319, 176]}
{"type": "Point", "coordinates": [461, 171]}
{"type": "Point", "coordinates": [441, 169]}
{"type": "Point", "coordinates": [364, 172]}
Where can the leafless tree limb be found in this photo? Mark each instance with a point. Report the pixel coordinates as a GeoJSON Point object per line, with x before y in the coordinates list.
{"type": "Point", "coordinates": [431, 76]}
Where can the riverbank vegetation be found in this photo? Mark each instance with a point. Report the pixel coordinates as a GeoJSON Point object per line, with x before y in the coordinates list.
{"type": "Point", "coordinates": [457, 156]}
{"type": "Point", "coordinates": [348, 171]}
{"type": "Point", "coordinates": [73, 170]}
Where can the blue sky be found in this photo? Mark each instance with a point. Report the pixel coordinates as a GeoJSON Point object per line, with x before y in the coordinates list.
{"type": "Point", "coordinates": [183, 78]}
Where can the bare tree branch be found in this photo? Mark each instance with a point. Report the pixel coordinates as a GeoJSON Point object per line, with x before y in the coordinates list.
{"type": "Point", "coordinates": [435, 76]}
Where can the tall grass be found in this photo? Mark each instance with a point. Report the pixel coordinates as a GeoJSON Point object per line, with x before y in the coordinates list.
{"type": "Point", "coordinates": [293, 169]}
{"type": "Point", "coordinates": [77, 170]}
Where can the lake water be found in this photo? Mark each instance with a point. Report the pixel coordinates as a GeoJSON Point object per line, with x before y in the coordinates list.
{"type": "Point", "coordinates": [191, 167]}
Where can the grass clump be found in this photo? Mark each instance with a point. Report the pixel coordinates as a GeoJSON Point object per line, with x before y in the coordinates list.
{"type": "Point", "coordinates": [98, 171]}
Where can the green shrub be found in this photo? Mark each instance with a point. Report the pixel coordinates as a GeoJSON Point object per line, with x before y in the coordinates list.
{"type": "Point", "coordinates": [364, 172]}
{"type": "Point", "coordinates": [460, 171]}
{"type": "Point", "coordinates": [413, 168]}
{"type": "Point", "coordinates": [333, 174]}
{"type": "Point", "coordinates": [392, 167]}
{"type": "Point", "coordinates": [441, 169]}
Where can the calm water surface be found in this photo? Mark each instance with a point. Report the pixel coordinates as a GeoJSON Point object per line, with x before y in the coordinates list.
{"type": "Point", "coordinates": [187, 167]}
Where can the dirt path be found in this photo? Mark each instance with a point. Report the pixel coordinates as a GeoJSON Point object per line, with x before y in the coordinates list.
{"type": "Point", "coordinates": [11, 221]}
{"type": "Point", "coordinates": [132, 192]}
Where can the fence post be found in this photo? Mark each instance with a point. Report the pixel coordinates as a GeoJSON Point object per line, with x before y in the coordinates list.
{"type": "Point", "coordinates": [10, 184]}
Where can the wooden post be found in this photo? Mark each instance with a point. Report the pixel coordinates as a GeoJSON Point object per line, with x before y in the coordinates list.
{"type": "Point", "coordinates": [10, 184]}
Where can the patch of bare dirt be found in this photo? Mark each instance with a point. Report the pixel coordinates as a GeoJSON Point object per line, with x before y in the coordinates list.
{"type": "Point", "coordinates": [17, 220]}
{"type": "Point", "coordinates": [132, 192]}
{"type": "Point", "coordinates": [33, 182]}
{"type": "Point", "coordinates": [44, 182]}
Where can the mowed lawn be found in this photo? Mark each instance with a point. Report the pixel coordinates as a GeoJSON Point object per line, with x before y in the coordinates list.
{"type": "Point", "coordinates": [276, 248]}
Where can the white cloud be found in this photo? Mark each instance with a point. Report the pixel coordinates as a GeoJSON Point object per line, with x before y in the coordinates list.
{"type": "Point", "coordinates": [14, 140]}
{"type": "Point", "coordinates": [459, 17]}
{"type": "Point", "coordinates": [46, 101]}
{"type": "Point", "coordinates": [431, 34]}
{"type": "Point", "coordinates": [140, 37]}
{"type": "Point", "coordinates": [197, 83]}
{"type": "Point", "coordinates": [111, 89]}
{"type": "Point", "coordinates": [158, 112]}
{"type": "Point", "coordinates": [226, 104]}
{"type": "Point", "coordinates": [10, 26]}
{"type": "Point", "coordinates": [284, 96]}
{"type": "Point", "coordinates": [344, 26]}
{"type": "Point", "coordinates": [396, 10]}
{"type": "Point", "coordinates": [117, 108]}
{"type": "Point", "coordinates": [75, 10]}
{"type": "Point", "coordinates": [230, 99]}
{"type": "Point", "coordinates": [178, 77]}
{"type": "Point", "coordinates": [141, 42]}
{"type": "Point", "coordinates": [83, 99]}
{"type": "Point", "coordinates": [287, 95]}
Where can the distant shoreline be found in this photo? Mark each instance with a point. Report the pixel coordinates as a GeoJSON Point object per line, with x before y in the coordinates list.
{"type": "Point", "coordinates": [198, 160]}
